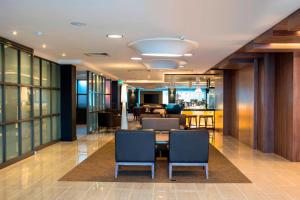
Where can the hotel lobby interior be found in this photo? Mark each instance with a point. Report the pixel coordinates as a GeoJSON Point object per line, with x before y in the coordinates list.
{"type": "Point", "coordinates": [150, 99]}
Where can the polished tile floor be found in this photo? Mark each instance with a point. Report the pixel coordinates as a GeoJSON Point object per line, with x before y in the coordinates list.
{"type": "Point", "coordinates": [36, 177]}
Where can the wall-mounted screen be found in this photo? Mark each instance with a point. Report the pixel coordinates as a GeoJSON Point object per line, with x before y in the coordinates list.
{"type": "Point", "coordinates": [151, 98]}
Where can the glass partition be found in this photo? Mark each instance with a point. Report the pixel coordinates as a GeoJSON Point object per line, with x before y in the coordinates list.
{"type": "Point", "coordinates": [96, 99]}
{"type": "Point", "coordinates": [29, 102]}
{"type": "Point", "coordinates": [11, 64]}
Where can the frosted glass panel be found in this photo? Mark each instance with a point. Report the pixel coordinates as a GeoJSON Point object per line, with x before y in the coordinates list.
{"type": "Point", "coordinates": [11, 103]}
{"type": "Point", "coordinates": [55, 101]}
{"type": "Point", "coordinates": [46, 102]}
{"type": "Point", "coordinates": [36, 71]}
{"type": "Point", "coordinates": [46, 130]}
{"type": "Point", "coordinates": [0, 103]}
{"type": "Point", "coordinates": [12, 141]}
{"type": "Point", "coordinates": [11, 65]}
{"type": "Point", "coordinates": [1, 62]}
{"type": "Point", "coordinates": [25, 68]}
{"type": "Point", "coordinates": [1, 145]}
{"type": "Point", "coordinates": [25, 102]}
{"type": "Point", "coordinates": [55, 76]}
{"type": "Point", "coordinates": [37, 135]}
{"type": "Point", "coordinates": [46, 72]}
{"type": "Point", "coordinates": [36, 101]}
{"type": "Point", "coordinates": [26, 139]}
{"type": "Point", "coordinates": [56, 128]}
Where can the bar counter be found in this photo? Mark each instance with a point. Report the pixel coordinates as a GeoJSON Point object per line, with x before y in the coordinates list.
{"type": "Point", "coordinates": [203, 113]}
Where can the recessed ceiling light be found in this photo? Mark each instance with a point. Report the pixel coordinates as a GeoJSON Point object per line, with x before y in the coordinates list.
{"type": "Point", "coordinates": [44, 46]}
{"type": "Point", "coordinates": [187, 54]}
{"type": "Point", "coordinates": [136, 58]}
{"type": "Point", "coordinates": [79, 24]}
{"type": "Point", "coordinates": [162, 54]}
{"type": "Point", "coordinates": [15, 33]}
{"type": "Point", "coordinates": [114, 36]}
{"type": "Point", "coordinates": [181, 66]}
{"type": "Point", "coordinates": [38, 33]}
{"type": "Point", "coordinates": [63, 55]}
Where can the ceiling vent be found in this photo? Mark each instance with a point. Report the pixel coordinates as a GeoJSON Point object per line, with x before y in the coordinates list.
{"type": "Point", "coordinates": [97, 54]}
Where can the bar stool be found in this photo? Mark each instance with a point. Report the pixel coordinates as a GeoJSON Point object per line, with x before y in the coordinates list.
{"type": "Point", "coordinates": [211, 117]}
{"type": "Point", "coordinates": [200, 118]}
{"type": "Point", "coordinates": [191, 118]}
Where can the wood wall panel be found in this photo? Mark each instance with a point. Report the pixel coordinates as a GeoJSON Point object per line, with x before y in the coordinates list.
{"type": "Point", "coordinates": [284, 104]}
{"type": "Point", "coordinates": [265, 95]}
{"type": "Point", "coordinates": [227, 102]}
{"type": "Point", "coordinates": [245, 105]}
{"type": "Point", "coordinates": [296, 108]}
{"type": "Point", "coordinates": [239, 104]}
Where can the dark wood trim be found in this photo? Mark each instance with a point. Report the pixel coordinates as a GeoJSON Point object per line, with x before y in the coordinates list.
{"type": "Point", "coordinates": [17, 159]}
{"type": "Point", "coordinates": [15, 44]}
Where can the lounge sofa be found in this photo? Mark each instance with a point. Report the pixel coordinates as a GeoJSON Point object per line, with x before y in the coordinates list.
{"type": "Point", "coordinates": [160, 124]}
{"type": "Point", "coordinates": [188, 148]}
{"type": "Point", "coordinates": [134, 148]}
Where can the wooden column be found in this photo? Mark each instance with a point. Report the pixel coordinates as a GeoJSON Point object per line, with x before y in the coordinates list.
{"type": "Point", "coordinates": [228, 103]}
{"type": "Point", "coordinates": [265, 102]}
{"type": "Point", "coordinates": [295, 149]}
{"type": "Point", "coordinates": [68, 102]}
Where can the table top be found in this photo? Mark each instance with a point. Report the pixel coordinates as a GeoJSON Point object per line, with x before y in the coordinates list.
{"type": "Point", "coordinates": [162, 138]}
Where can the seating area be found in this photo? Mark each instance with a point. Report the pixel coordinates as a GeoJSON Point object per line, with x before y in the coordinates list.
{"type": "Point", "coordinates": [185, 147]}
{"type": "Point", "coordinates": [152, 99]}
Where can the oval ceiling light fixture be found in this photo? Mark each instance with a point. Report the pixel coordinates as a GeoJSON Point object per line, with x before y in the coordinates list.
{"type": "Point", "coordinates": [78, 24]}
{"type": "Point", "coordinates": [63, 55]}
{"type": "Point", "coordinates": [187, 55]}
{"type": "Point", "coordinates": [181, 66]}
{"type": "Point", "coordinates": [164, 47]}
{"type": "Point", "coordinates": [15, 33]}
{"type": "Point", "coordinates": [136, 58]}
{"type": "Point", "coordinates": [114, 36]}
{"type": "Point", "coordinates": [162, 54]}
{"type": "Point", "coordinates": [165, 64]}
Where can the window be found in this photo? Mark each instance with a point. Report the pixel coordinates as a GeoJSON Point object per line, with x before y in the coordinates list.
{"type": "Point", "coordinates": [1, 145]}
{"type": "Point", "coordinates": [25, 102]}
{"type": "Point", "coordinates": [55, 101]}
{"type": "Point", "coordinates": [36, 71]}
{"type": "Point", "coordinates": [36, 101]}
{"type": "Point", "coordinates": [55, 76]}
{"type": "Point", "coordinates": [25, 68]}
{"type": "Point", "coordinates": [46, 130]}
{"type": "Point", "coordinates": [12, 141]}
{"type": "Point", "coordinates": [46, 102]}
{"type": "Point", "coordinates": [11, 103]}
{"type": "Point", "coordinates": [11, 65]}
{"type": "Point", "coordinates": [1, 62]}
{"type": "Point", "coordinates": [0, 103]}
{"type": "Point", "coordinates": [46, 71]}
{"type": "Point", "coordinates": [37, 135]}
{"type": "Point", "coordinates": [26, 139]}
{"type": "Point", "coordinates": [56, 128]}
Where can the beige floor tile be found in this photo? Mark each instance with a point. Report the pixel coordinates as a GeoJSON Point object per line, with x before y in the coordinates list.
{"type": "Point", "coordinates": [37, 176]}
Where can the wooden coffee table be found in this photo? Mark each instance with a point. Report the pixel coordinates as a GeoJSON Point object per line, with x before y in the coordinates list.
{"type": "Point", "coordinates": [162, 138]}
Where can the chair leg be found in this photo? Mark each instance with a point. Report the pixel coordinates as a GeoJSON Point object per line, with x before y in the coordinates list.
{"type": "Point", "coordinates": [152, 171]}
{"type": "Point", "coordinates": [206, 171]}
{"type": "Point", "coordinates": [116, 170]}
{"type": "Point", "coordinates": [170, 171]}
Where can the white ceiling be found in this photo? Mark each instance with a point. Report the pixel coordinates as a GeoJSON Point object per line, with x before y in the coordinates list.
{"type": "Point", "coordinates": [220, 27]}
